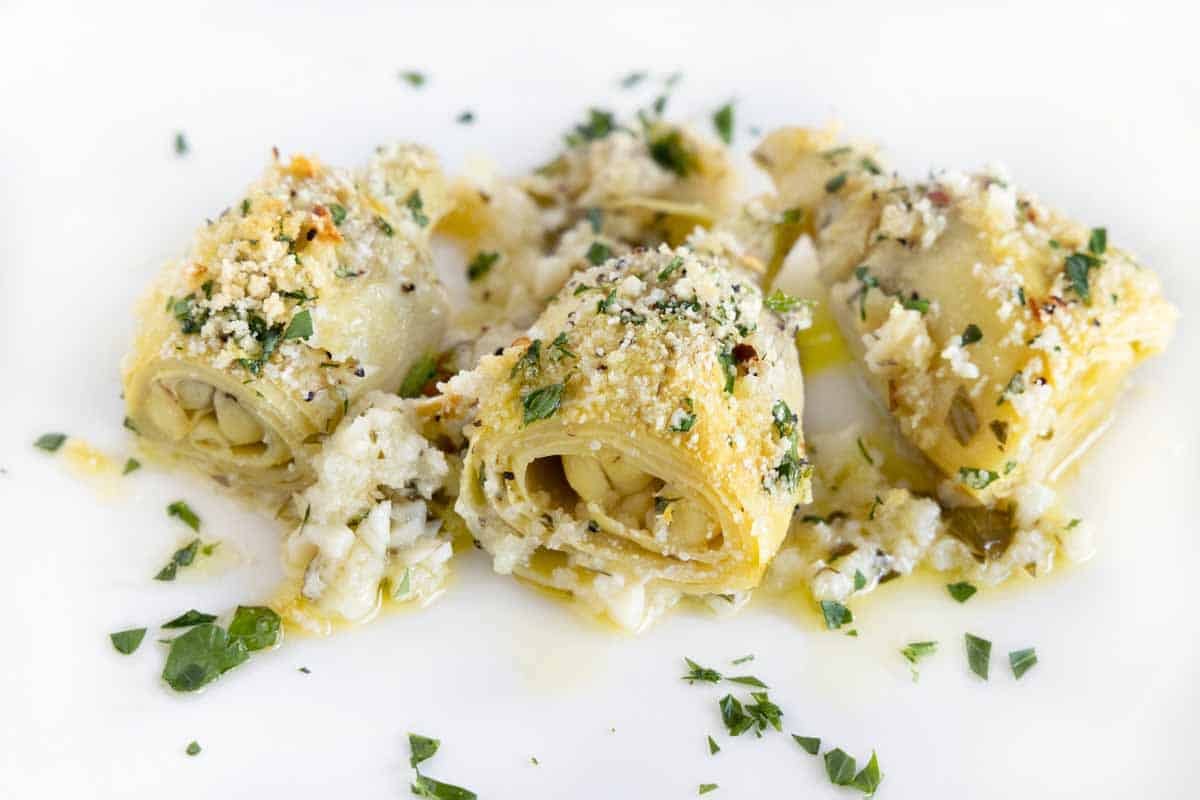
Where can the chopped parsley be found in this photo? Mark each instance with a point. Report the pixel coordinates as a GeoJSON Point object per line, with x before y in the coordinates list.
{"type": "Point", "coordinates": [131, 464]}
{"type": "Point", "coordinates": [683, 421]}
{"type": "Point", "coordinates": [699, 673]}
{"type": "Point", "coordinates": [542, 403]}
{"type": "Point", "coordinates": [50, 442]}
{"type": "Point", "coordinates": [632, 79]}
{"type": "Point", "coordinates": [193, 749]}
{"type": "Point", "coordinates": [836, 615]}
{"type": "Point", "coordinates": [977, 478]}
{"type": "Point", "coordinates": [182, 557]}
{"type": "Point", "coordinates": [918, 304]}
{"type": "Point", "coordinates": [1098, 241]}
{"type": "Point", "coordinates": [200, 656]}
{"type": "Point", "coordinates": [748, 680]}
{"type": "Point", "coordinates": [757, 715]}
{"type": "Point", "coordinates": [126, 642]}
{"type": "Point", "coordinates": [530, 362]}
{"type": "Point", "coordinates": [413, 78]}
{"type": "Point", "coordinates": [421, 748]}
{"type": "Point", "coordinates": [867, 781]}
{"type": "Point", "coordinates": [1078, 266]}
{"type": "Point", "coordinates": [1022, 660]}
{"type": "Point", "coordinates": [1015, 385]}
{"type": "Point", "coordinates": [599, 124]}
{"type": "Point", "coordinates": [915, 651]}
{"type": "Point", "coordinates": [723, 121]}
{"type": "Point", "coordinates": [300, 327]}
{"type": "Point", "coordinates": [728, 367]}
{"type": "Point", "coordinates": [418, 375]}
{"type": "Point", "coordinates": [869, 282]}
{"type": "Point", "coordinates": [672, 265]}
{"type": "Point", "coordinates": [860, 580]}
{"type": "Point", "coordinates": [598, 253]}
{"type": "Point", "coordinates": [961, 591]}
{"type": "Point", "coordinates": [181, 144]}
{"type": "Point", "coordinates": [669, 152]}
{"type": "Point", "coordinates": [785, 418]}
{"type": "Point", "coordinates": [184, 512]}
{"type": "Point", "coordinates": [705, 788]}
{"type": "Point", "coordinates": [559, 349]}
{"type": "Point", "coordinates": [481, 265]}
{"type": "Point", "coordinates": [257, 627]}
{"type": "Point", "coordinates": [834, 184]}
{"type": "Point", "coordinates": [189, 618]}
{"type": "Point", "coordinates": [971, 334]}
{"type": "Point", "coordinates": [425, 786]}
{"type": "Point", "coordinates": [811, 744]}
{"type": "Point", "coordinates": [713, 747]}
{"type": "Point", "coordinates": [979, 655]}
{"type": "Point", "coordinates": [595, 218]}
{"type": "Point", "coordinates": [338, 213]}
{"type": "Point", "coordinates": [840, 767]}
{"type": "Point", "coordinates": [782, 303]}
{"type": "Point", "coordinates": [791, 216]}
{"type": "Point", "coordinates": [868, 164]}
{"type": "Point", "coordinates": [743, 659]}
{"type": "Point", "coordinates": [465, 118]}
{"type": "Point", "coordinates": [416, 205]}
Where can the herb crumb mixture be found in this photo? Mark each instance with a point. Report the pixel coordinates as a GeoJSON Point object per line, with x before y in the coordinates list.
{"type": "Point", "coordinates": [301, 232]}
{"type": "Point", "coordinates": [994, 329]}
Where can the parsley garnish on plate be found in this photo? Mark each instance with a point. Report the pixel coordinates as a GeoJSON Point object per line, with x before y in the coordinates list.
{"type": "Point", "coordinates": [961, 591]}
{"type": "Point", "coordinates": [193, 749]}
{"type": "Point", "coordinates": [414, 78]}
{"type": "Point", "coordinates": [131, 464]}
{"type": "Point", "coordinates": [257, 627]}
{"type": "Point", "coordinates": [182, 557]}
{"type": "Point", "coordinates": [181, 144]}
{"type": "Point", "coordinates": [126, 642]}
{"type": "Point", "coordinates": [723, 121]}
{"type": "Point", "coordinates": [979, 655]}
{"type": "Point", "coordinates": [699, 673]}
{"type": "Point", "coordinates": [810, 744]}
{"type": "Point", "coordinates": [50, 442]}
{"type": "Point", "coordinates": [1021, 661]}
{"type": "Point", "coordinates": [184, 512]}
{"type": "Point", "coordinates": [705, 788]}
{"type": "Point", "coordinates": [188, 619]}
{"type": "Point", "coordinates": [915, 651]}
{"type": "Point", "coordinates": [423, 748]}
{"type": "Point", "coordinates": [840, 767]}
{"type": "Point", "coordinates": [713, 747]}
{"type": "Point", "coordinates": [200, 656]}
{"type": "Point", "coordinates": [465, 118]}
{"type": "Point", "coordinates": [836, 615]}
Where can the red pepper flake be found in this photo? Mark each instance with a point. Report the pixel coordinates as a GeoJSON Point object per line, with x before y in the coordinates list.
{"type": "Point", "coordinates": [939, 198]}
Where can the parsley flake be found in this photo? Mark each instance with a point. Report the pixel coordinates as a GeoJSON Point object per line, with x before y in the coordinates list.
{"type": "Point", "coordinates": [961, 591]}
{"type": "Point", "coordinates": [193, 749]}
{"type": "Point", "coordinates": [699, 673]}
{"type": "Point", "coordinates": [418, 376]}
{"type": "Point", "coordinates": [300, 327]}
{"type": "Point", "coordinates": [416, 205]}
{"type": "Point", "coordinates": [834, 184]}
{"type": "Point", "coordinates": [126, 642]}
{"type": "Point", "coordinates": [598, 253]}
{"type": "Point", "coordinates": [915, 651]}
{"type": "Point", "coordinates": [481, 265]}
{"type": "Point", "coordinates": [723, 121]}
{"type": "Point", "coordinates": [50, 442]}
{"type": "Point", "coordinates": [413, 78]}
{"type": "Point", "coordinates": [811, 744]}
{"type": "Point", "coordinates": [713, 747]}
{"type": "Point", "coordinates": [184, 512]}
{"type": "Point", "coordinates": [979, 655]}
{"type": "Point", "coordinates": [840, 767]}
{"type": "Point", "coordinates": [542, 403]}
{"type": "Point", "coordinates": [971, 334]}
{"type": "Point", "coordinates": [836, 615]}
{"type": "Point", "coordinates": [1021, 661]}
{"type": "Point", "coordinates": [705, 788]}
{"type": "Point", "coordinates": [181, 144]}
{"type": "Point", "coordinates": [131, 464]}
{"type": "Point", "coordinates": [782, 303]}
{"type": "Point", "coordinates": [189, 618]}
{"type": "Point", "coordinates": [200, 656]}
{"type": "Point", "coordinates": [672, 265]}
{"type": "Point", "coordinates": [1098, 241]}
{"type": "Point", "coordinates": [977, 478]}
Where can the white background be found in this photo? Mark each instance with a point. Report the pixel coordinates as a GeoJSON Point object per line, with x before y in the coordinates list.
{"type": "Point", "coordinates": [1096, 109]}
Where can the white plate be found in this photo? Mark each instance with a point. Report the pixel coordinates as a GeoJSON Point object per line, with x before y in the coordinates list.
{"type": "Point", "coordinates": [1096, 110]}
